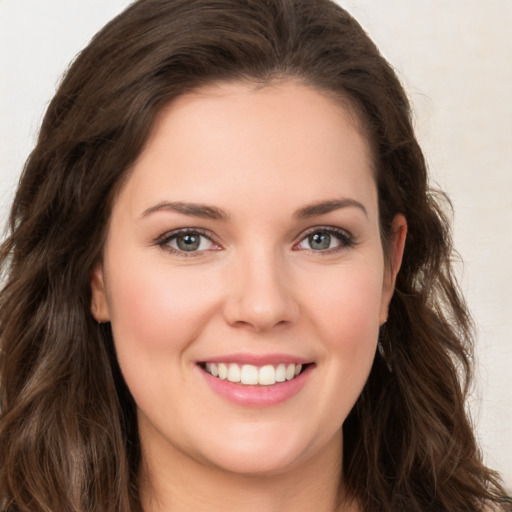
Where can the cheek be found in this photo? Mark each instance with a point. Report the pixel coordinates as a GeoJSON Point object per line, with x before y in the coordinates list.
{"type": "Point", "coordinates": [156, 314]}
{"type": "Point", "coordinates": [346, 316]}
{"type": "Point", "coordinates": [347, 305]}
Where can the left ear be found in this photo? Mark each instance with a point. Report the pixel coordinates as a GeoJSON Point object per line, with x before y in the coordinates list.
{"type": "Point", "coordinates": [99, 303]}
{"type": "Point", "coordinates": [393, 261]}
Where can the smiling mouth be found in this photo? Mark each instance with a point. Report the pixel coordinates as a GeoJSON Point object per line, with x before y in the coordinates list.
{"type": "Point", "coordinates": [251, 375]}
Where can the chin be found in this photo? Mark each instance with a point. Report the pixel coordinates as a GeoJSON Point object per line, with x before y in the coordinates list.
{"type": "Point", "coordinates": [260, 465]}
{"type": "Point", "coordinates": [258, 453]}
{"type": "Point", "coordinates": [258, 459]}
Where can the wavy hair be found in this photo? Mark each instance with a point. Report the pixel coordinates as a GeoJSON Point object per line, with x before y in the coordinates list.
{"type": "Point", "coordinates": [68, 434]}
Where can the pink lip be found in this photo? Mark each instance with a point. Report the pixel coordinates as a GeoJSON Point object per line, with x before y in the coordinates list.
{"type": "Point", "coordinates": [257, 359]}
{"type": "Point", "coordinates": [257, 396]}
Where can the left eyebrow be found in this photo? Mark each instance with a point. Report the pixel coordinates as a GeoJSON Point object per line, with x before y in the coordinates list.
{"type": "Point", "coordinates": [324, 207]}
{"type": "Point", "coordinates": [193, 209]}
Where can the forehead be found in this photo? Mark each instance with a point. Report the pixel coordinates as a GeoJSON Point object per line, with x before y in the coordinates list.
{"type": "Point", "coordinates": [235, 137]}
{"type": "Point", "coordinates": [277, 103]}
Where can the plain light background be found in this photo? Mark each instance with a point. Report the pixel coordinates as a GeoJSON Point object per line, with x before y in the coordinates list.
{"type": "Point", "coordinates": [454, 58]}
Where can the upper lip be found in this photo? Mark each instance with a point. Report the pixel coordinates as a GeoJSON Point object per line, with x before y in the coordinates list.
{"type": "Point", "coordinates": [257, 359]}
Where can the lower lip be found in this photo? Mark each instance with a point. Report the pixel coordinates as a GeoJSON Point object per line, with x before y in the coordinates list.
{"type": "Point", "coordinates": [257, 396]}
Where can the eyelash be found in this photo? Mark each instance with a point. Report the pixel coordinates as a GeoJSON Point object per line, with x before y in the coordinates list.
{"type": "Point", "coordinates": [166, 239]}
{"type": "Point", "coordinates": [346, 240]}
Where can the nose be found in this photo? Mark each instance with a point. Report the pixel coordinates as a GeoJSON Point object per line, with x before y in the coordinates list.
{"type": "Point", "coordinates": [260, 295]}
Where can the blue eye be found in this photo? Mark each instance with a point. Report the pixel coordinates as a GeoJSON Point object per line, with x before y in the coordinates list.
{"type": "Point", "coordinates": [325, 240]}
{"type": "Point", "coordinates": [187, 242]}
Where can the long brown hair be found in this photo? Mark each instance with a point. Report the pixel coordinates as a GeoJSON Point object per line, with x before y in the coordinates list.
{"type": "Point", "coordinates": [68, 435]}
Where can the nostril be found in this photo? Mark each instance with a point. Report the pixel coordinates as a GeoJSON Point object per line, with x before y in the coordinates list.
{"type": "Point", "coordinates": [260, 302]}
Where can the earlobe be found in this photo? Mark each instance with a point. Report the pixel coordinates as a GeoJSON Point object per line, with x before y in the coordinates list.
{"type": "Point", "coordinates": [395, 255]}
{"type": "Point", "coordinates": [99, 304]}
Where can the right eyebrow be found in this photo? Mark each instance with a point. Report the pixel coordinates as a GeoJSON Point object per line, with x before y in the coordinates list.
{"type": "Point", "coordinates": [193, 209]}
{"type": "Point", "coordinates": [324, 207]}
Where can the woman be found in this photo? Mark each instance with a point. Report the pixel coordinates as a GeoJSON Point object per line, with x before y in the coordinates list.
{"type": "Point", "coordinates": [227, 283]}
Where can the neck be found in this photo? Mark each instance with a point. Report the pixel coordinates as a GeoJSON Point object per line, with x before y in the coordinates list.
{"type": "Point", "coordinates": [181, 484]}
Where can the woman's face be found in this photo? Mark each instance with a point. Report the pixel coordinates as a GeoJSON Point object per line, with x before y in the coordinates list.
{"type": "Point", "coordinates": [245, 245]}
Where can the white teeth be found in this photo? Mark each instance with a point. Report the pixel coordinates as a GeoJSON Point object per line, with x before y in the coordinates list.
{"type": "Point", "coordinates": [267, 375]}
{"type": "Point", "coordinates": [249, 374]}
{"type": "Point", "coordinates": [223, 371]}
{"type": "Point", "coordinates": [234, 373]}
{"type": "Point", "coordinates": [213, 369]}
{"type": "Point", "coordinates": [281, 373]}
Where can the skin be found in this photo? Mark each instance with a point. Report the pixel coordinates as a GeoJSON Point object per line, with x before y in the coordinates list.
{"type": "Point", "coordinates": [256, 285]}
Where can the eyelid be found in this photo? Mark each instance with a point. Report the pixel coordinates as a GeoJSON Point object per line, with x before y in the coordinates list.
{"type": "Point", "coordinates": [164, 240]}
{"type": "Point", "coordinates": [346, 238]}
